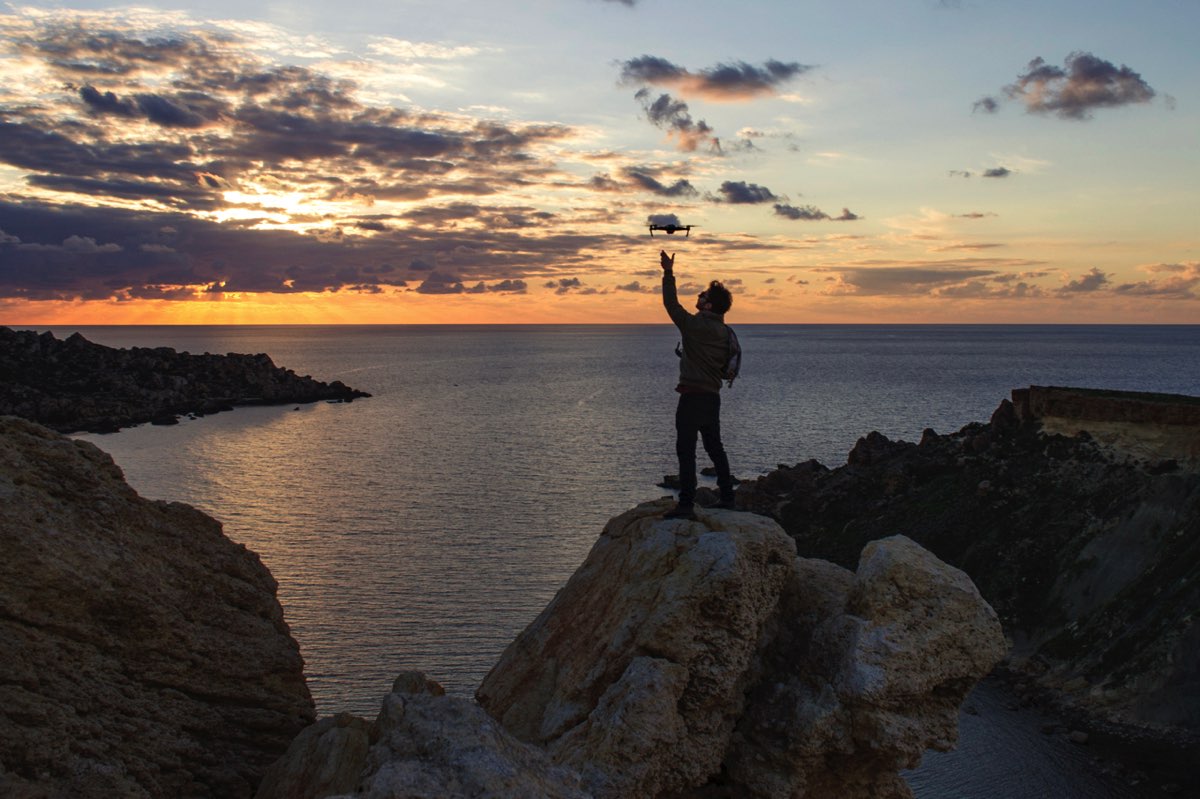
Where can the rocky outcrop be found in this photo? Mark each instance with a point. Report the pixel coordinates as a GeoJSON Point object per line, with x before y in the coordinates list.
{"type": "Point", "coordinates": [686, 659]}
{"type": "Point", "coordinates": [684, 656]}
{"type": "Point", "coordinates": [1090, 557]}
{"type": "Point", "coordinates": [142, 653]}
{"type": "Point", "coordinates": [74, 384]}
{"type": "Point", "coordinates": [424, 745]}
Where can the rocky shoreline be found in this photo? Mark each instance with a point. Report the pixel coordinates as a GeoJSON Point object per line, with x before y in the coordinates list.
{"type": "Point", "coordinates": [1090, 556]}
{"type": "Point", "coordinates": [74, 385]}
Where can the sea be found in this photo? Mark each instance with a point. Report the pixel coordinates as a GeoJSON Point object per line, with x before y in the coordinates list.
{"type": "Point", "coordinates": [424, 527]}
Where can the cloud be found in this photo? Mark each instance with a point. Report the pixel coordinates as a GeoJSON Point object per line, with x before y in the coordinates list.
{"type": "Point", "coordinates": [673, 116]}
{"type": "Point", "coordinates": [564, 285]}
{"type": "Point", "coordinates": [663, 219]}
{"type": "Point", "coordinates": [743, 193]}
{"type": "Point", "coordinates": [185, 163]}
{"type": "Point", "coordinates": [643, 178]}
{"type": "Point", "coordinates": [1177, 282]}
{"type": "Point", "coordinates": [810, 213]}
{"type": "Point", "coordinates": [441, 283]}
{"type": "Point", "coordinates": [900, 280]}
{"type": "Point", "coordinates": [724, 82]}
{"type": "Point", "coordinates": [992, 172]}
{"type": "Point", "coordinates": [1084, 84]}
{"type": "Point", "coordinates": [988, 105]}
{"type": "Point", "coordinates": [1093, 280]}
{"type": "Point", "coordinates": [807, 213]}
{"type": "Point", "coordinates": [635, 287]}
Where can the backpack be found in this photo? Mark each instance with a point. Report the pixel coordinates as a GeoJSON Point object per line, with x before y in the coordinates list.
{"type": "Point", "coordinates": [733, 363]}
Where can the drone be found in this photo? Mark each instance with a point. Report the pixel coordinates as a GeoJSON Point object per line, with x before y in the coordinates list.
{"type": "Point", "coordinates": [672, 228]}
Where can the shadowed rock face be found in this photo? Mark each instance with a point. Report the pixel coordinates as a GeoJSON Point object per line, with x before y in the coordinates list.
{"type": "Point", "coordinates": [423, 745]}
{"type": "Point", "coordinates": [1090, 558]}
{"type": "Point", "coordinates": [142, 653]}
{"type": "Point", "coordinates": [74, 384]}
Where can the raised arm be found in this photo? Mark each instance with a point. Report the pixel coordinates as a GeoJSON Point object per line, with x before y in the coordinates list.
{"type": "Point", "coordinates": [669, 296]}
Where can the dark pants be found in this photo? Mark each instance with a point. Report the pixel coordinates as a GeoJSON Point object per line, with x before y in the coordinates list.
{"type": "Point", "coordinates": [700, 413]}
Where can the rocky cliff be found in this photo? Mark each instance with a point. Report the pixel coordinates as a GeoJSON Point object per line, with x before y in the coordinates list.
{"type": "Point", "coordinates": [142, 653]}
{"type": "Point", "coordinates": [1090, 555]}
{"type": "Point", "coordinates": [686, 659]}
{"type": "Point", "coordinates": [74, 384]}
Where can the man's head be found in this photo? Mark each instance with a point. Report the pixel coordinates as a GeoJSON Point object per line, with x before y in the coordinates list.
{"type": "Point", "coordinates": [715, 298]}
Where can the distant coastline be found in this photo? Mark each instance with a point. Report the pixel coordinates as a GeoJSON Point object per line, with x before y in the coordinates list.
{"type": "Point", "coordinates": [73, 384]}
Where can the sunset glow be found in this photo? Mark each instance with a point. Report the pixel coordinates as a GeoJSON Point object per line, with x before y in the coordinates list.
{"type": "Point", "coordinates": [465, 162]}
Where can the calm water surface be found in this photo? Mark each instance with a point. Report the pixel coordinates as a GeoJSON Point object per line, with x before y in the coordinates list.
{"type": "Point", "coordinates": [425, 527]}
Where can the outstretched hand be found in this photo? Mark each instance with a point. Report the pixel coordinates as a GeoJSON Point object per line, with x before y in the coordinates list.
{"type": "Point", "coordinates": [668, 261]}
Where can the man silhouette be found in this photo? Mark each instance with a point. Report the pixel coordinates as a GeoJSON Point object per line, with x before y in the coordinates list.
{"type": "Point", "coordinates": [701, 365]}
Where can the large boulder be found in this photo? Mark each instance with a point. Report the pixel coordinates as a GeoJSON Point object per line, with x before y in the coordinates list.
{"type": "Point", "coordinates": [706, 655]}
{"type": "Point", "coordinates": [635, 672]}
{"type": "Point", "coordinates": [143, 653]}
{"type": "Point", "coordinates": [861, 673]}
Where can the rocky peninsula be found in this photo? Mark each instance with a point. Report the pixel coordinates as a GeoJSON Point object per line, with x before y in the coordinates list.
{"type": "Point", "coordinates": [73, 384]}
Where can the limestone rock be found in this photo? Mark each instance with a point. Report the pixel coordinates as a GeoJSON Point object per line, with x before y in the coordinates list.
{"type": "Point", "coordinates": [143, 653]}
{"type": "Point", "coordinates": [635, 672]}
{"type": "Point", "coordinates": [848, 696]}
{"type": "Point", "coordinates": [424, 745]}
{"type": "Point", "coordinates": [704, 658]}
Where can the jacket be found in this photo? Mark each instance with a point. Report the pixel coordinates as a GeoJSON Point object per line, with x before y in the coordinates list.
{"type": "Point", "coordinates": [705, 341]}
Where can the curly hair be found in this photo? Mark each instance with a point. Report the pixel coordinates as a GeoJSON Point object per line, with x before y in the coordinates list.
{"type": "Point", "coordinates": [719, 296]}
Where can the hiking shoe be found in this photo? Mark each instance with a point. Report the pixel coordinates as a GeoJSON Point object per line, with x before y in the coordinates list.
{"type": "Point", "coordinates": [727, 503]}
{"type": "Point", "coordinates": [681, 512]}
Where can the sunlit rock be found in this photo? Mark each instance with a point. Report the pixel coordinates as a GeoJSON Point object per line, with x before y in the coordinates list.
{"type": "Point", "coordinates": [705, 655]}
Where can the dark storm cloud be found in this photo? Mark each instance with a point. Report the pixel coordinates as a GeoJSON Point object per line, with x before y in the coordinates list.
{"type": "Point", "coordinates": [743, 193]}
{"type": "Point", "coordinates": [1073, 91]}
{"type": "Point", "coordinates": [663, 219]}
{"type": "Point", "coordinates": [674, 117]}
{"type": "Point", "coordinates": [732, 81]}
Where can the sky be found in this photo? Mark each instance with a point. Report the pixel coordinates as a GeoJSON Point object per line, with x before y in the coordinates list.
{"type": "Point", "coordinates": [462, 161]}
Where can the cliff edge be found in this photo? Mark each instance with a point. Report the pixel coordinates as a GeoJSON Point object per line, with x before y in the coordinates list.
{"type": "Point", "coordinates": [142, 653]}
